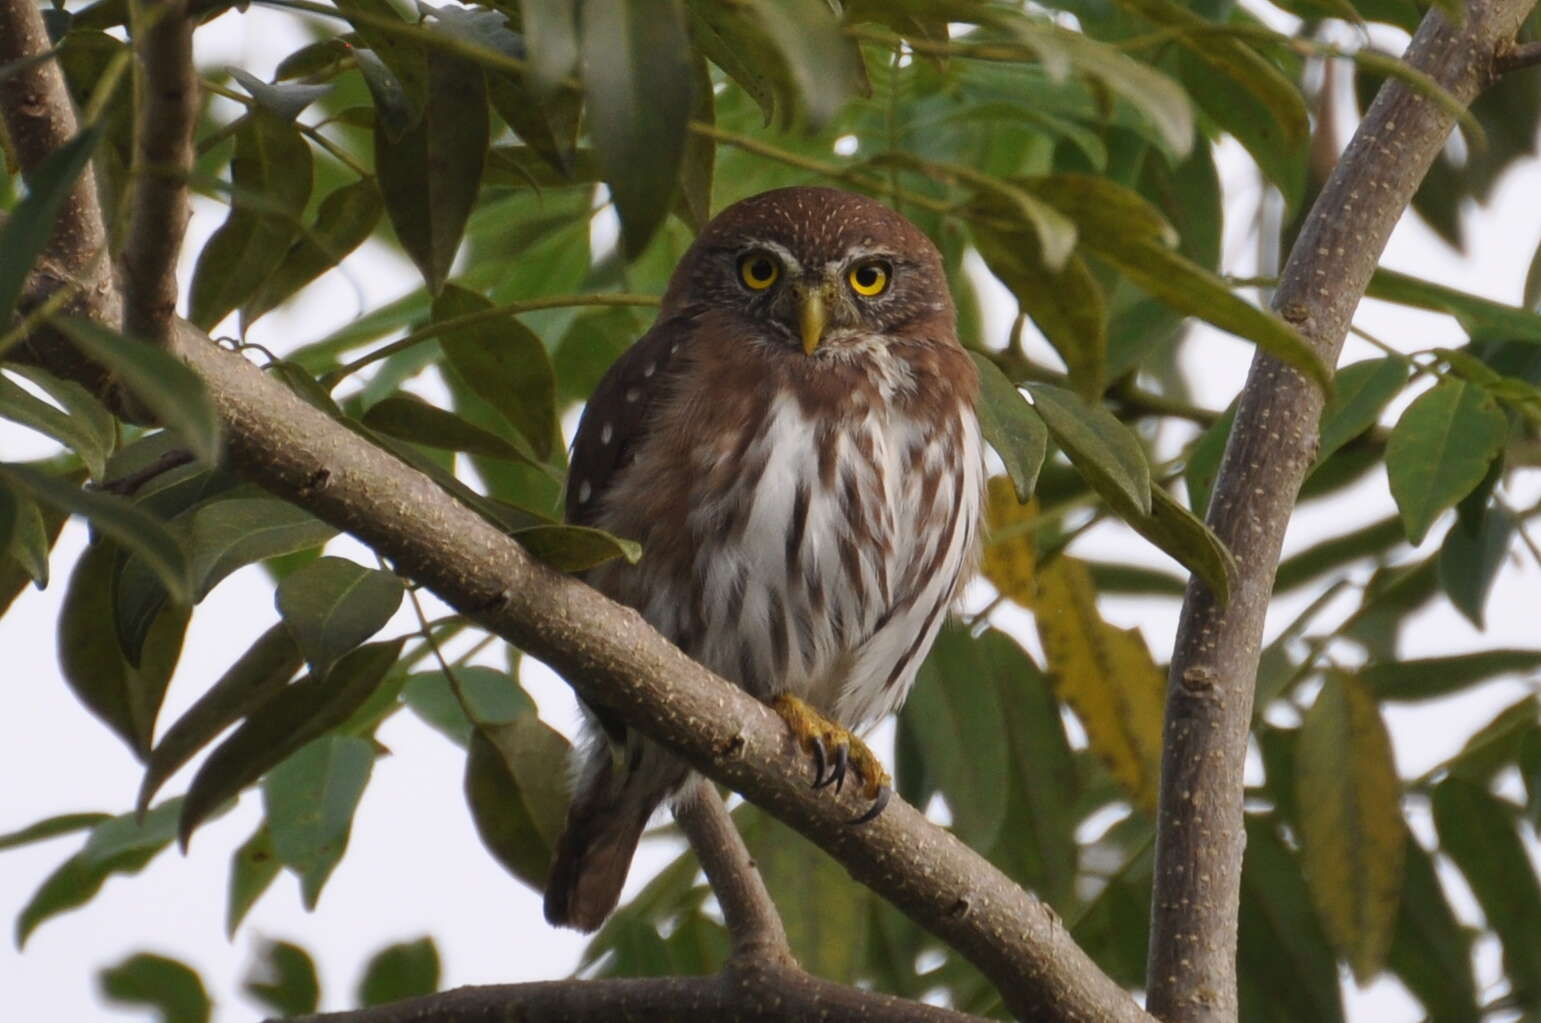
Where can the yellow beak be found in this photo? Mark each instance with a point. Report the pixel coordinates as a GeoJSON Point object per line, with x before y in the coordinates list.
{"type": "Point", "coordinates": [811, 314]}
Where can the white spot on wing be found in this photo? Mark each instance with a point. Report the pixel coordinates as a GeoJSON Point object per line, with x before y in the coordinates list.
{"type": "Point", "coordinates": [585, 492]}
{"type": "Point", "coordinates": [606, 432]}
{"type": "Point", "coordinates": [633, 393]}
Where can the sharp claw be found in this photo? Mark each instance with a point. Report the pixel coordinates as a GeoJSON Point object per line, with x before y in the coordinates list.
{"type": "Point", "coordinates": [820, 761]}
{"type": "Point", "coordinates": [836, 774]}
{"type": "Point", "coordinates": [877, 806]}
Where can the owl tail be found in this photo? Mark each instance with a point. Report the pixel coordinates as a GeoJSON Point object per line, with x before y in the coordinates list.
{"type": "Point", "coordinates": [594, 853]}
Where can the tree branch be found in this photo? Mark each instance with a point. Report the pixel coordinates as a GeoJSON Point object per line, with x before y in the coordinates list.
{"type": "Point", "coordinates": [163, 157]}
{"type": "Point", "coordinates": [746, 906]}
{"type": "Point", "coordinates": [1518, 57]}
{"type": "Point", "coordinates": [611, 656]}
{"type": "Point", "coordinates": [1192, 969]}
{"type": "Point", "coordinates": [740, 992]}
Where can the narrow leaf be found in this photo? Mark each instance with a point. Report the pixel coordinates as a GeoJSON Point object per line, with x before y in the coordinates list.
{"type": "Point", "coordinates": [1010, 426]}
{"type": "Point", "coordinates": [516, 800]}
{"type": "Point", "coordinates": [51, 827]}
{"type": "Point", "coordinates": [637, 84]}
{"type": "Point", "coordinates": [1440, 449]}
{"type": "Point", "coordinates": [430, 175]}
{"type": "Point", "coordinates": [271, 178]}
{"type": "Point", "coordinates": [1361, 391]}
{"type": "Point", "coordinates": [1101, 447]}
{"type": "Point", "coordinates": [1351, 829]}
{"type": "Point", "coordinates": [1433, 677]}
{"type": "Point", "coordinates": [346, 217]}
{"type": "Point", "coordinates": [31, 222]}
{"type": "Point", "coordinates": [1106, 674]}
{"type": "Point", "coordinates": [1430, 951]}
{"type": "Point", "coordinates": [309, 801]}
{"type": "Point", "coordinates": [503, 363]}
{"type": "Point", "coordinates": [253, 868]}
{"type": "Point", "coordinates": [409, 417]}
{"type": "Point", "coordinates": [575, 548]}
{"type": "Point", "coordinates": [168, 388]}
{"type": "Point", "coordinates": [255, 678]}
{"type": "Point", "coordinates": [19, 406]}
{"type": "Point", "coordinates": [301, 712]}
{"type": "Point", "coordinates": [479, 696]}
{"type": "Point", "coordinates": [332, 605]}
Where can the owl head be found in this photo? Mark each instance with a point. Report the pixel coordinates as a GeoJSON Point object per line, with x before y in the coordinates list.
{"type": "Point", "coordinates": [817, 268]}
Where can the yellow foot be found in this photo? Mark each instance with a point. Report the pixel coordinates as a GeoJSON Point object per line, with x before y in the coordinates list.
{"type": "Point", "coordinates": [836, 752]}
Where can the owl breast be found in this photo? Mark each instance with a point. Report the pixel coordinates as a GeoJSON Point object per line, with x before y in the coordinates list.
{"type": "Point", "coordinates": [825, 535]}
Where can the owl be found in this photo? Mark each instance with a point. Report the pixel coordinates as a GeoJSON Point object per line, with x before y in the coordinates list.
{"type": "Point", "coordinates": [795, 445]}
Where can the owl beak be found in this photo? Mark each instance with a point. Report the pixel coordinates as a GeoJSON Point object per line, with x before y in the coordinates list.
{"type": "Point", "coordinates": [812, 312]}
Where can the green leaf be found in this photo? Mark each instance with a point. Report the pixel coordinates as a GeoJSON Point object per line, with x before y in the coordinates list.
{"type": "Point", "coordinates": [309, 800]}
{"type": "Point", "coordinates": [51, 827]}
{"type": "Point", "coordinates": [134, 529]}
{"type": "Point", "coordinates": [1010, 426]}
{"type": "Point", "coordinates": [403, 970]}
{"type": "Point", "coordinates": [637, 84]}
{"type": "Point", "coordinates": [1101, 447]}
{"type": "Point", "coordinates": [1496, 744]}
{"type": "Point", "coordinates": [168, 388]}
{"type": "Point", "coordinates": [271, 180]}
{"type": "Point", "coordinates": [1112, 223]}
{"type": "Point", "coordinates": [19, 406]}
{"type": "Point", "coordinates": [284, 979]}
{"type": "Point", "coordinates": [172, 989]}
{"type": "Point", "coordinates": [32, 220]}
{"type": "Point", "coordinates": [1479, 317]}
{"type": "Point", "coordinates": [253, 868]}
{"type": "Point", "coordinates": [1067, 305]}
{"type": "Point", "coordinates": [301, 712]}
{"type": "Point", "coordinates": [1204, 461]}
{"type": "Point", "coordinates": [504, 363]}
{"type": "Point", "coordinates": [222, 536]}
{"type": "Point", "coordinates": [1361, 391]}
{"type": "Point", "coordinates": [34, 534]}
{"type": "Point", "coordinates": [575, 548]}
{"type": "Point", "coordinates": [492, 697]}
{"type": "Point", "coordinates": [124, 696]}
{"type": "Point", "coordinates": [409, 417]}
{"type": "Point", "coordinates": [117, 845]}
{"type": "Point", "coordinates": [345, 219]}
{"type": "Point", "coordinates": [1440, 450]}
{"type": "Point", "coordinates": [332, 605]}
{"type": "Point", "coordinates": [517, 801]}
{"type": "Point", "coordinates": [1478, 832]}
{"type": "Point", "coordinates": [429, 177]}
{"type": "Point", "coordinates": [1434, 677]}
{"type": "Point", "coordinates": [1430, 951]}
{"type": "Point", "coordinates": [1474, 552]}
{"type": "Point", "coordinates": [286, 101]}
{"type": "Point", "coordinates": [255, 678]}
{"type": "Point", "coordinates": [1350, 819]}
{"type": "Point", "coordinates": [1179, 533]}
{"type": "Point", "coordinates": [1287, 971]}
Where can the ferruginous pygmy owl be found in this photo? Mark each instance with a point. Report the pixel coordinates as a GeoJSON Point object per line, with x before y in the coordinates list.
{"type": "Point", "coordinates": [795, 445]}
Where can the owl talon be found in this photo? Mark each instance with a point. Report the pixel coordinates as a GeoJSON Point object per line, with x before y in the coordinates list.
{"type": "Point", "coordinates": [837, 771]}
{"type": "Point", "coordinates": [878, 803]}
{"type": "Point", "coordinates": [820, 761]}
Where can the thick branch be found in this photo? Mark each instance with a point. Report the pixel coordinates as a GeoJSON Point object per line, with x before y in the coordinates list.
{"type": "Point", "coordinates": [740, 992]}
{"type": "Point", "coordinates": [1191, 975]}
{"type": "Point", "coordinates": [163, 156]}
{"type": "Point", "coordinates": [747, 909]}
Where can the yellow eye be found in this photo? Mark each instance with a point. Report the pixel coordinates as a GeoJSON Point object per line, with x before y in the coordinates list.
{"type": "Point", "coordinates": [758, 270]}
{"type": "Point", "coordinates": [868, 279]}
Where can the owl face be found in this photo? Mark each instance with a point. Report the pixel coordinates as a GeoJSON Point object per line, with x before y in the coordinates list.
{"type": "Point", "coordinates": [817, 269]}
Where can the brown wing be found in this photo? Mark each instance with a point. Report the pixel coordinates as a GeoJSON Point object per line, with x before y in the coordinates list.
{"type": "Point", "coordinates": [619, 412]}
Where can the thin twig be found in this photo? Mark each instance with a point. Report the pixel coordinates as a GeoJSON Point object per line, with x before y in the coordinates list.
{"type": "Point", "coordinates": [1518, 57]}
{"type": "Point", "coordinates": [127, 486]}
{"type": "Point", "coordinates": [753, 923]}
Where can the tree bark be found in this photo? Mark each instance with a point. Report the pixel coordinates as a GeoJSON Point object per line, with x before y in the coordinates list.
{"type": "Point", "coordinates": [1191, 974]}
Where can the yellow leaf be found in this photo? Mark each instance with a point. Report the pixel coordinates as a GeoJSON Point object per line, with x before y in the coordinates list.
{"type": "Point", "coordinates": [1106, 674]}
{"type": "Point", "coordinates": [1010, 552]}
{"type": "Point", "coordinates": [1351, 829]}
